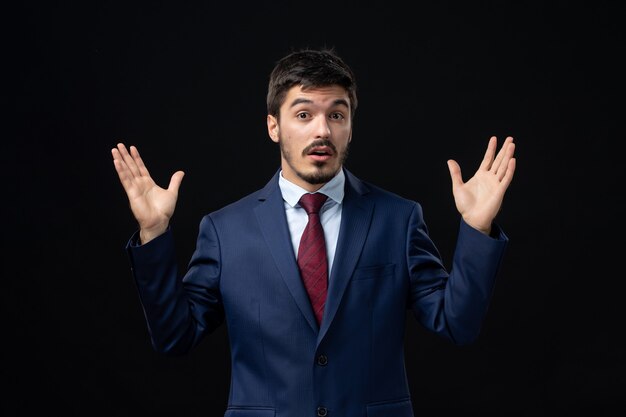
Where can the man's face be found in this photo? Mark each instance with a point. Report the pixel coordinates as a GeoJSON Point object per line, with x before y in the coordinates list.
{"type": "Point", "coordinates": [314, 131]}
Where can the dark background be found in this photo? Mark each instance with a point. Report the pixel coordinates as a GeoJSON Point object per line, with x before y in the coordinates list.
{"type": "Point", "coordinates": [186, 83]}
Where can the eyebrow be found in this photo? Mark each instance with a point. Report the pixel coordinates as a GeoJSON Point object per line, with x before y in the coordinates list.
{"type": "Point", "coordinates": [337, 102]}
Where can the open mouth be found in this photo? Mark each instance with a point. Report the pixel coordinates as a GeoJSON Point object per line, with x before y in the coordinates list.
{"type": "Point", "coordinates": [320, 153]}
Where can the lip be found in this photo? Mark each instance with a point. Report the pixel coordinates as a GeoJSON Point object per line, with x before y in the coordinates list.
{"type": "Point", "coordinates": [320, 153]}
{"type": "Point", "coordinates": [319, 158]}
{"type": "Point", "coordinates": [323, 149]}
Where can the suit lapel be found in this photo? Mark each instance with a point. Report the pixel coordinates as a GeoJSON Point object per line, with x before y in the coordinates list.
{"type": "Point", "coordinates": [356, 216]}
{"type": "Point", "coordinates": [273, 223]}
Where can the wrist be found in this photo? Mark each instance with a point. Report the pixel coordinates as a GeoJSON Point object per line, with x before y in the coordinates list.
{"type": "Point", "coordinates": [148, 234]}
{"type": "Point", "coordinates": [484, 229]}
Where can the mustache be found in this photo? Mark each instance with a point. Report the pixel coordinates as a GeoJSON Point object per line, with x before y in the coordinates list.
{"type": "Point", "coordinates": [319, 142]}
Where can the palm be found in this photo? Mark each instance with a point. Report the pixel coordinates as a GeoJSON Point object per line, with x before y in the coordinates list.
{"type": "Point", "coordinates": [151, 205]}
{"type": "Point", "coordinates": [479, 199]}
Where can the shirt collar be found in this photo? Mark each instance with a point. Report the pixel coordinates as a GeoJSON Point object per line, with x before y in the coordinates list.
{"type": "Point", "coordinates": [334, 189]}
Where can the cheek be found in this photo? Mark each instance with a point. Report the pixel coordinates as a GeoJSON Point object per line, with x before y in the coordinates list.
{"type": "Point", "coordinates": [343, 135]}
{"type": "Point", "coordinates": [288, 143]}
{"type": "Point", "coordinates": [292, 137]}
{"type": "Point", "coordinates": [294, 133]}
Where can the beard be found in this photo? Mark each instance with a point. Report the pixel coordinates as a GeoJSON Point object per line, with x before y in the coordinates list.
{"type": "Point", "coordinates": [323, 171]}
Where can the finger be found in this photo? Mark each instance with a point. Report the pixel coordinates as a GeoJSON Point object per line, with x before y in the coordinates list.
{"type": "Point", "coordinates": [489, 153]}
{"type": "Point", "coordinates": [175, 181]}
{"type": "Point", "coordinates": [117, 156]}
{"type": "Point", "coordinates": [455, 173]}
{"type": "Point", "coordinates": [118, 162]}
{"type": "Point", "coordinates": [137, 158]}
{"type": "Point", "coordinates": [128, 160]}
{"type": "Point", "coordinates": [498, 161]}
{"type": "Point", "coordinates": [508, 176]}
{"type": "Point", "coordinates": [121, 150]}
{"type": "Point", "coordinates": [124, 174]}
{"type": "Point", "coordinates": [503, 167]}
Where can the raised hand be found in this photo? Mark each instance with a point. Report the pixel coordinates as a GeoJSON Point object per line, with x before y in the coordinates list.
{"type": "Point", "coordinates": [480, 198]}
{"type": "Point", "coordinates": [152, 206]}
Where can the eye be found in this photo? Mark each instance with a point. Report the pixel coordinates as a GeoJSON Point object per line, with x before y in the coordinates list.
{"type": "Point", "coordinates": [337, 116]}
{"type": "Point", "coordinates": [302, 115]}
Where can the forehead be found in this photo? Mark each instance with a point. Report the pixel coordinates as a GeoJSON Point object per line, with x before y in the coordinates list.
{"type": "Point", "coordinates": [327, 96]}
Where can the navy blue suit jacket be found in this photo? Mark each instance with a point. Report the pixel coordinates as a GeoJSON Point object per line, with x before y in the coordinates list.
{"type": "Point", "coordinates": [244, 269]}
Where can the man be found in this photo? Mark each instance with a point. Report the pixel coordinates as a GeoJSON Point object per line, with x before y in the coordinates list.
{"type": "Point", "coordinates": [315, 329]}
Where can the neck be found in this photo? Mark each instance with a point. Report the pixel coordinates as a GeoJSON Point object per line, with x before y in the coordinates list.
{"type": "Point", "coordinates": [305, 182]}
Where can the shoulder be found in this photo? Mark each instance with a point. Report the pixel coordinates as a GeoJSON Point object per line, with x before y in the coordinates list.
{"type": "Point", "coordinates": [246, 204]}
{"type": "Point", "coordinates": [388, 206]}
{"type": "Point", "coordinates": [378, 194]}
{"type": "Point", "coordinates": [237, 208]}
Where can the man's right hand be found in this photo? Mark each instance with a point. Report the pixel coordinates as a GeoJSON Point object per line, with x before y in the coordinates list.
{"type": "Point", "coordinates": [152, 206]}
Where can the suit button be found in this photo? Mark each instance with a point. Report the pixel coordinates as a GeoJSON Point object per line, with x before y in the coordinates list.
{"type": "Point", "coordinates": [322, 411]}
{"type": "Point", "coordinates": [322, 360]}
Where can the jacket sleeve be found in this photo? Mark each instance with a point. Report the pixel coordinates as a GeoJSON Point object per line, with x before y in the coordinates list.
{"type": "Point", "coordinates": [178, 312]}
{"type": "Point", "coordinates": [452, 304]}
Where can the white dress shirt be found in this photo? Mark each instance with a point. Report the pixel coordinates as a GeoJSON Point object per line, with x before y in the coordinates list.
{"type": "Point", "coordinates": [330, 213]}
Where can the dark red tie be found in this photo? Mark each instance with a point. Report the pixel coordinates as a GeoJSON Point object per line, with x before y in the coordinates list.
{"type": "Point", "coordinates": [312, 254]}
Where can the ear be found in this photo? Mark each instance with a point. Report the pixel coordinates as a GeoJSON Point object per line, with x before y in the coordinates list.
{"type": "Point", "coordinates": [272, 128]}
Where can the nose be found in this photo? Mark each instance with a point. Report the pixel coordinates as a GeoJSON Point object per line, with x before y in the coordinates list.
{"type": "Point", "coordinates": [322, 128]}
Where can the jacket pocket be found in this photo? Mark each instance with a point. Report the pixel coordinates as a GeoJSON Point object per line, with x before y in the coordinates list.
{"type": "Point", "coordinates": [250, 412]}
{"type": "Point", "coordinates": [372, 272]}
{"type": "Point", "coordinates": [402, 408]}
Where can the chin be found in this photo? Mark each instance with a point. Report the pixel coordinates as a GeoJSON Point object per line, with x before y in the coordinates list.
{"type": "Point", "coordinates": [320, 175]}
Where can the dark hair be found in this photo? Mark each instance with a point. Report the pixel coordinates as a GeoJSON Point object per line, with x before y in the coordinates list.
{"type": "Point", "coordinates": [309, 68]}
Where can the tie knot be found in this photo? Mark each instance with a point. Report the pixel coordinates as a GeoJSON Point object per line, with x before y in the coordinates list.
{"type": "Point", "coordinates": [312, 202]}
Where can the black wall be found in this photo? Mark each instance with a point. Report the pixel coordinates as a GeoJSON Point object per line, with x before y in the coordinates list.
{"type": "Point", "coordinates": [186, 83]}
